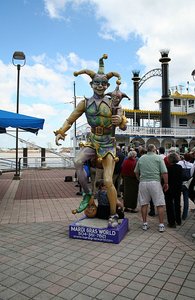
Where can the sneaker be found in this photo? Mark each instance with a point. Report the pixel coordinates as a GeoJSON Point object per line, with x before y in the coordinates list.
{"type": "Point", "coordinates": [145, 226]}
{"type": "Point", "coordinates": [161, 227]}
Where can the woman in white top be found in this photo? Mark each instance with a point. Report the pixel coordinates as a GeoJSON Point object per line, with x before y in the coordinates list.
{"type": "Point", "coordinates": [186, 164]}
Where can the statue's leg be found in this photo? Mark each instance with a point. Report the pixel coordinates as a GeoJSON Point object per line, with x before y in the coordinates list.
{"type": "Point", "coordinates": [108, 165]}
{"type": "Point", "coordinates": [84, 154]}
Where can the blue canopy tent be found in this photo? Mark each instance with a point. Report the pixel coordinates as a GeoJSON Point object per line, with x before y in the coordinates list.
{"type": "Point", "coordinates": [27, 123]}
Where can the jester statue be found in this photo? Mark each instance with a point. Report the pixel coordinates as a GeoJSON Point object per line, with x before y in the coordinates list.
{"type": "Point", "coordinates": [103, 114]}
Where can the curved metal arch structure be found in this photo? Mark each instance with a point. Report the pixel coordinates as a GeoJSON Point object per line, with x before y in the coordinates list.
{"type": "Point", "coordinates": [165, 99]}
{"type": "Point", "coordinates": [148, 75]}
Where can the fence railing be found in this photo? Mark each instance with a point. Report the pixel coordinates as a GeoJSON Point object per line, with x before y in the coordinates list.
{"type": "Point", "coordinates": [36, 162]}
{"type": "Point", "coordinates": [7, 164]}
{"type": "Point", "coordinates": [157, 131]}
{"type": "Point", "coordinates": [144, 131]}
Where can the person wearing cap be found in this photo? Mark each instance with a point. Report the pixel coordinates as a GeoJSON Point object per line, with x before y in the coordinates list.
{"type": "Point", "coordinates": [103, 114]}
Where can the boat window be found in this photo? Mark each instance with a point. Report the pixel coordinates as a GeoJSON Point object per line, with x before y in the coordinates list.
{"type": "Point", "coordinates": [191, 103]}
{"type": "Point", "coordinates": [177, 102]}
{"type": "Point", "coordinates": [183, 122]}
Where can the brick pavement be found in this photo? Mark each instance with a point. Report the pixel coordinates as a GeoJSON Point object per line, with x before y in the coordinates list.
{"type": "Point", "coordinates": [40, 196]}
{"type": "Point", "coordinates": [39, 261]}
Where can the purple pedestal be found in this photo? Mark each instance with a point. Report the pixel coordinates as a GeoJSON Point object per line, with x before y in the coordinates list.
{"type": "Point", "coordinates": [97, 230]}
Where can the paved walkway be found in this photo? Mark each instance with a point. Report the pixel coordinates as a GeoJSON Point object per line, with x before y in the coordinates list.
{"type": "Point", "coordinates": [38, 260]}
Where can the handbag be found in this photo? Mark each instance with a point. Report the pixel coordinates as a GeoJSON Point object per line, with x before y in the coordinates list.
{"type": "Point", "coordinates": [186, 173]}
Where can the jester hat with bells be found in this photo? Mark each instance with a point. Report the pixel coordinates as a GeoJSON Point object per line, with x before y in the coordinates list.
{"type": "Point", "coordinates": [100, 73]}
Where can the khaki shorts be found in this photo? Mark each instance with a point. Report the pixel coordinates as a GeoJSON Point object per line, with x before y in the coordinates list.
{"type": "Point", "coordinates": [151, 190]}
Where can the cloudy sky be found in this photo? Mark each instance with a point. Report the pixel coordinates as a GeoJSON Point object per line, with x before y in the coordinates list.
{"type": "Point", "coordinates": [59, 37]}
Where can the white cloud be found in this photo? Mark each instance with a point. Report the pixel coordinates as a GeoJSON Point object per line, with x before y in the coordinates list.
{"type": "Point", "coordinates": [54, 8]}
{"type": "Point", "coordinates": [74, 59]}
{"type": "Point", "coordinates": [77, 62]}
{"type": "Point", "coordinates": [39, 58]}
{"type": "Point", "coordinates": [159, 24]}
{"type": "Point", "coordinates": [45, 84]}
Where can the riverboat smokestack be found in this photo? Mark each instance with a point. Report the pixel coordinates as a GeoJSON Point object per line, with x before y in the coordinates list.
{"type": "Point", "coordinates": [165, 99]}
{"type": "Point", "coordinates": [136, 80]}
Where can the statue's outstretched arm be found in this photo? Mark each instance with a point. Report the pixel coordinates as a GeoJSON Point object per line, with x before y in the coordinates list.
{"type": "Point", "coordinates": [78, 111]}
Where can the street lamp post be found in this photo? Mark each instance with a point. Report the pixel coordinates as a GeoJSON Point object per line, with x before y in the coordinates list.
{"type": "Point", "coordinates": [74, 102]}
{"type": "Point", "coordinates": [19, 61]}
{"type": "Point", "coordinates": [75, 126]}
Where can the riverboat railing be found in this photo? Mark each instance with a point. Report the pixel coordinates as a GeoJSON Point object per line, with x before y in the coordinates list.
{"type": "Point", "coordinates": [177, 132]}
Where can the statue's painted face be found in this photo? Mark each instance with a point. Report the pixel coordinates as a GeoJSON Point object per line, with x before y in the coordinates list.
{"type": "Point", "coordinates": [99, 84]}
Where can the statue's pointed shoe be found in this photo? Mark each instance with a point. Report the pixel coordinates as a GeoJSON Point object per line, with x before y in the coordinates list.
{"type": "Point", "coordinates": [83, 204]}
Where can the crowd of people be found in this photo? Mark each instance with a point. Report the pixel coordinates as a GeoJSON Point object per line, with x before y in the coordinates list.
{"type": "Point", "coordinates": [149, 178]}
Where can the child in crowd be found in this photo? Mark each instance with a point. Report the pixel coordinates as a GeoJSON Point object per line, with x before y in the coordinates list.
{"type": "Point", "coordinates": [103, 209]}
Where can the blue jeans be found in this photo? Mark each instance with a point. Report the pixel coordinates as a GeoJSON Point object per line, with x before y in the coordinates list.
{"type": "Point", "coordinates": [185, 202]}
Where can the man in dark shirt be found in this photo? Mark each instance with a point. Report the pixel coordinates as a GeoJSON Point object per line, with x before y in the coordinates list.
{"type": "Point", "coordinates": [117, 170]}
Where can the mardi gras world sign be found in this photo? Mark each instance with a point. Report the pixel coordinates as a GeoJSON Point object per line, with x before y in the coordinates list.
{"type": "Point", "coordinates": [97, 230]}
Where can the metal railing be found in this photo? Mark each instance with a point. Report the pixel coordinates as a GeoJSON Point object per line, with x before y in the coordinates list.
{"type": "Point", "coordinates": [157, 132]}
{"type": "Point", "coordinates": [184, 132]}
{"type": "Point", "coordinates": [9, 164]}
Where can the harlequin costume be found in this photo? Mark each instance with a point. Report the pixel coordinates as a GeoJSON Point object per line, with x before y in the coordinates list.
{"type": "Point", "coordinates": [98, 111]}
